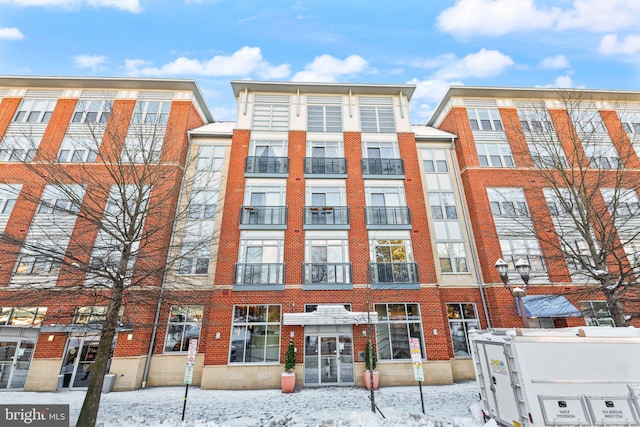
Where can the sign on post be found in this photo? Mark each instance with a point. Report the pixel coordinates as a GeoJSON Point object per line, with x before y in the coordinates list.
{"type": "Point", "coordinates": [188, 372]}
{"type": "Point", "coordinates": [416, 359]}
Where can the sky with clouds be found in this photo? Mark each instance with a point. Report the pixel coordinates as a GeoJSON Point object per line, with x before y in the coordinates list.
{"type": "Point", "coordinates": [562, 43]}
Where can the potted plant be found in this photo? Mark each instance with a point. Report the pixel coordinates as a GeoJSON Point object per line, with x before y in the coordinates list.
{"type": "Point", "coordinates": [370, 363]}
{"type": "Point", "coordinates": [288, 377]}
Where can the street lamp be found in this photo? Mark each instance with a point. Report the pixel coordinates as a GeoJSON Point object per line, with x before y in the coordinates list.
{"type": "Point", "coordinates": [524, 269]}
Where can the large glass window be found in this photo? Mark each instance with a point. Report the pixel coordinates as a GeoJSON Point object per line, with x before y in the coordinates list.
{"type": "Point", "coordinates": [324, 118]}
{"type": "Point", "coordinates": [514, 249]}
{"type": "Point", "coordinates": [271, 112]}
{"type": "Point", "coordinates": [22, 316]}
{"type": "Point", "coordinates": [8, 197]}
{"type": "Point", "coordinates": [91, 111]}
{"type": "Point", "coordinates": [255, 334]}
{"type": "Point", "coordinates": [184, 324]}
{"type": "Point", "coordinates": [35, 111]}
{"type": "Point", "coordinates": [452, 257]}
{"type": "Point", "coordinates": [93, 314]}
{"type": "Point", "coordinates": [397, 323]}
{"type": "Point", "coordinates": [507, 202]}
{"type": "Point", "coordinates": [595, 313]}
{"type": "Point", "coordinates": [210, 158]}
{"type": "Point", "coordinates": [377, 119]}
{"type": "Point", "coordinates": [151, 112]}
{"type": "Point", "coordinates": [462, 317]}
{"type": "Point", "coordinates": [19, 148]}
{"type": "Point", "coordinates": [495, 155]}
{"type": "Point", "coordinates": [78, 149]}
{"type": "Point", "coordinates": [486, 119]}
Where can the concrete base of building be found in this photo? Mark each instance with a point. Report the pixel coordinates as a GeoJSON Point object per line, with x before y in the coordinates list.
{"type": "Point", "coordinates": [463, 369]}
{"type": "Point", "coordinates": [254, 377]}
{"type": "Point", "coordinates": [43, 375]}
{"type": "Point", "coordinates": [128, 371]}
{"type": "Point", "coordinates": [168, 370]}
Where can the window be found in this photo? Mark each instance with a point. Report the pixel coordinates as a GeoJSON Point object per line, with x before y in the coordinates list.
{"type": "Point", "coordinates": [22, 316]}
{"type": "Point", "coordinates": [535, 121]}
{"type": "Point", "coordinates": [602, 156]}
{"type": "Point", "coordinates": [392, 262]}
{"type": "Point", "coordinates": [203, 205]}
{"type": "Point", "coordinates": [194, 258]}
{"type": "Point", "coordinates": [376, 115]}
{"type": "Point", "coordinates": [326, 261]}
{"type": "Point", "coordinates": [595, 313]}
{"type": "Point", "coordinates": [587, 122]}
{"type": "Point", "coordinates": [184, 324]}
{"type": "Point", "coordinates": [462, 317]}
{"type": "Point", "coordinates": [325, 149]}
{"type": "Point", "coordinates": [151, 112]}
{"type": "Point", "coordinates": [324, 118]}
{"type": "Point", "coordinates": [548, 155]}
{"type": "Point", "coordinates": [78, 149]}
{"type": "Point", "coordinates": [8, 196]}
{"type": "Point", "coordinates": [37, 265]}
{"type": "Point", "coordinates": [255, 334]}
{"type": "Point", "coordinates": [631, 122]}
{"type": "Point", "coordinates": [142, 149]}
{"type": "Point", "coordinates": [19, 148]}
{"type": "Point", "coordinates": [453, 257]}
{"type": "Point", "coordinates": [271, 112]}
{"type": "Point", "coordinates": [35, 111]}
{"type": "Point", "coordinates": [621, 202]}
{"type": "Point", "coordinates": [93, 314]}
{"type": "Point", "coordinates": [210, 158]}
{"type": "Point", "coordinates": [58, 204]}
{"type": "Point", "coordinates": [260, 260]}
{"type": "Point", "coordinates": [485, 119]}
{"type": "Point", "coordinates": [507, 202]}
{"type": "Point", "coordinates": [392, 250]}
{"type": "Point", "coordinates": [529, 249]}
{"type": "Point", "coordinates": [495, 155]}
{"type": "Point", "coordinates": [443, 206]}
{"type": "Point", "coordinates": [434, 160]}
{"type": "Point", "coordinates": [91, 111]}
{"type": "Point", "coordinates": [397, 323]}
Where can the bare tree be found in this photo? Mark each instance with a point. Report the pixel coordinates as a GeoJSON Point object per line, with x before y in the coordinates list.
{"type": "Point", "coordinates": [115, 214]}
{"type": "Point", "coordinates": [582, 159]}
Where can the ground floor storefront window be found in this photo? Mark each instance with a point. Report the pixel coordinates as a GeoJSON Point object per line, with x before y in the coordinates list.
{"type": "Point", "coordinates": [397, 323]}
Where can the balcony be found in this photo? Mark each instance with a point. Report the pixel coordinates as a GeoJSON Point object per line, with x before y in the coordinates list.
{"type": "Point", "coordinates": [385, 217]}
{"type": "Point", "coordinates": [326, 217]}
{"type": "Point", "coordinates": [259, 276]}
{"type": "Point", "coordinates": [326, 276]}
{"type": "Point", "coordinates": [266, 167]}
{"type": "Point", "coordinates": [383, 168]}
{"type": "Point", "coordinates": [263, 217]}
{"type": "Point", "coordinates": [394, 275]}
{"type": "Point", "coordinates": [325, 167]}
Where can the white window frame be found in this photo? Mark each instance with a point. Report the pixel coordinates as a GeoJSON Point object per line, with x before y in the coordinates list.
{"type": "Point", "coordinates": [377, 119]}
{"type": "Point", "coordinates": [535, 121]}
{"type": "Point", "coordinates": [507, 202]}
{"type": "Point", "coordinates": [460, 322]}
{"type": "Point", "coordinates": [456, 255]}
{"type": "Point", "coordinates": [32, 110]}
{"type": "Point", "coordinates": [485, 119]}
{"type": "Point", "coordinates": [79, 149]}
{"type": "Point", "coordinates": [193, 315]}
{"type": "Point", "coordinates": [92, 111]}
{"type": "Point", "coordinates": [245, 320]}
{"type": "Point", "coordinates": [528, 248]}
{"type": "Point", "coordinates": [151, 113]}
{"type": "Point", "coordinates": [602, 155]}
{"type": "Point", "coordinates": [324, 118]}
{"type": "Point", "coordinates": [19, 148]}
{"type": "Point", "coordinates": [271, 113]}
{"type": "Point", "coordinates": [495, 155]}
{"type": "Point", "coordinates": [210, 157]}
{"type": "Point", "coordinates": [591, 316]}
{"type": "Point", "coordinates": [389, 329]}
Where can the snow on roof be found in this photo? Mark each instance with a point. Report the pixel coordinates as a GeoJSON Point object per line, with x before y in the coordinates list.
{"type": "Point", "coordinates": [215, 128]}
{"type": "Point", "coordinates": [428, 132]}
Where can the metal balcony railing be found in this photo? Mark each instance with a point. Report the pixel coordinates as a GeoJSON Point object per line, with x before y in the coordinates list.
{"type": "Point", "coordinates": [382, 167]}
{"type": "Point", "coordinates": [266, 165]}
{"type": "Point", "coordinates": [326, 215]}
{"type": "Point", "coordinates": [263, 215]}
{"type": "Point", "coordinates": [393, 272]}
{"type": "Point", "coordinates": [326, 273]}
{"type": "Point", "coordinates": [259, 274]}
{"type": "Point", "coordinates": [387, 215]}
{"type": "Point", "coordinates": [325, 165]}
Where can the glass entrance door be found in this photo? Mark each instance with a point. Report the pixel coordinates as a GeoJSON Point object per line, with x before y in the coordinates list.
{"type": "Point", "coordinates": [79, 358]}
{"type": "Point", "coordinates": [328, 360]}
{"type": "Point", "coordinates": [15, 358]}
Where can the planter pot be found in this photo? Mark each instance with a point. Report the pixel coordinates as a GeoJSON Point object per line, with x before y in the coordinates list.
{"type": "Point", "coordinates": [288, 382]}
{"type": "Point", "coordinates": [367, 380]}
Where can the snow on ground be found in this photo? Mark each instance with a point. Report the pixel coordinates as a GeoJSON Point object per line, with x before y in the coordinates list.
{"type": "Point", "coordinates": [447, 405]}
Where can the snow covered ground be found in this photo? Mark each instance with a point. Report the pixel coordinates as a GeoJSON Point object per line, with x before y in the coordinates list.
{"type": "Point", "coordinates": [447, 405]}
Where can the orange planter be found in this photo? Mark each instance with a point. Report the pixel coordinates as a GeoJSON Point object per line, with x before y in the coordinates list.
{"type": "Point", "coordinates": [288, 382]}
{"type": "Point", "coordinates": [367, 380]}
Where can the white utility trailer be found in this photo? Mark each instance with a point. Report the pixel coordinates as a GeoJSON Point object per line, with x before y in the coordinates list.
{"type": "Point", "coordinates": [587, 376]}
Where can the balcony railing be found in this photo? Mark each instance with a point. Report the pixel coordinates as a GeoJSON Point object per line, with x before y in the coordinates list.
{"type": "Point", "coordinates": [326, 215]}
{"type": "Point", "coordinates": [259, 274]}
{"type": "Point", "coordinates": [387, 215]}
{"type": "Point", "coordinates": [264, 165]}
{"type": "Point", "coordinates": [263, 215]}
{"type": "Point", "coordinates": [326, 273]}
{"type": "Point", "coordinates": [393, 272]}
{"type": "Point", "coordinates": [391, 167]}
{"type": "Point", "coordinates": [325, 165]}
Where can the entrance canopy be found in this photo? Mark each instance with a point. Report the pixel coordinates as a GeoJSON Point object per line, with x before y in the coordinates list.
{"type": "Point", "coordinates": [549, 306]}
{"type": "Point", "coordinates": [329, 315]}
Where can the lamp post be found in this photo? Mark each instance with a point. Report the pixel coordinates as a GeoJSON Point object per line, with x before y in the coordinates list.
{"type": "Point", "coordinates": [524, 269]}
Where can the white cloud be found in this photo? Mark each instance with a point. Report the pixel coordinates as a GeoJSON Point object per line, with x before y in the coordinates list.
{"type": "Point", "coordinates": [610, 45]}
{"type": "Point", "coordinates": [127, 5]}
{"type": "Point", "coordinates": [427, 94]}
{"type": "Point", "coordinates": [494, 17]}
{"type": "Point", "coordinates": [94, 62]}
{"type": "Point", "coordinates": [484, 63]}
{"type": "Point", "coordinates": [561, 82]}
{"type": "Point", "coordinates": [326, 68]}
{"type": "Point", "coordinates": [499, 17]}
{"type": "Point", "coordinates": [10, 34]}
{"type": "Point", "coordinates": [245, 62]}
{"type": "Point", "coordinates": [557, 62]}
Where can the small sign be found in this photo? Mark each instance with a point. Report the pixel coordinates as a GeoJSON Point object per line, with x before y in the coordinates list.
{"type": "Point", "coordinates": [608, 410]}
{"type": "Point", "coordinates": [188, 374]}
{"type": "Point", "coordinates": [416, 358]}
{"type": "Point", "coordinates": [563, 410]}
{"type": "Point", "coordinates": [193, 347]}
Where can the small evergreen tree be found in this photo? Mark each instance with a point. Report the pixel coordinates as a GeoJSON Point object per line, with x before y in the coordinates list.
{"type": "Point", "coordinates": [290, 358]}
{"type": "Point", "coordinates": [370, 360]}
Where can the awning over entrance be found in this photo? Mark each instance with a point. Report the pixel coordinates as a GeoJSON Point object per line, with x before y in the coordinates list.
{"type": "Point", "coordinates": [329, 315]}
{"type": "Point", "coordinates": [549, 306]}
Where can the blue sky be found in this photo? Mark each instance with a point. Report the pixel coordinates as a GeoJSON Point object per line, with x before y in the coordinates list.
{"type": "Point", "coordinates": [563, 43]}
